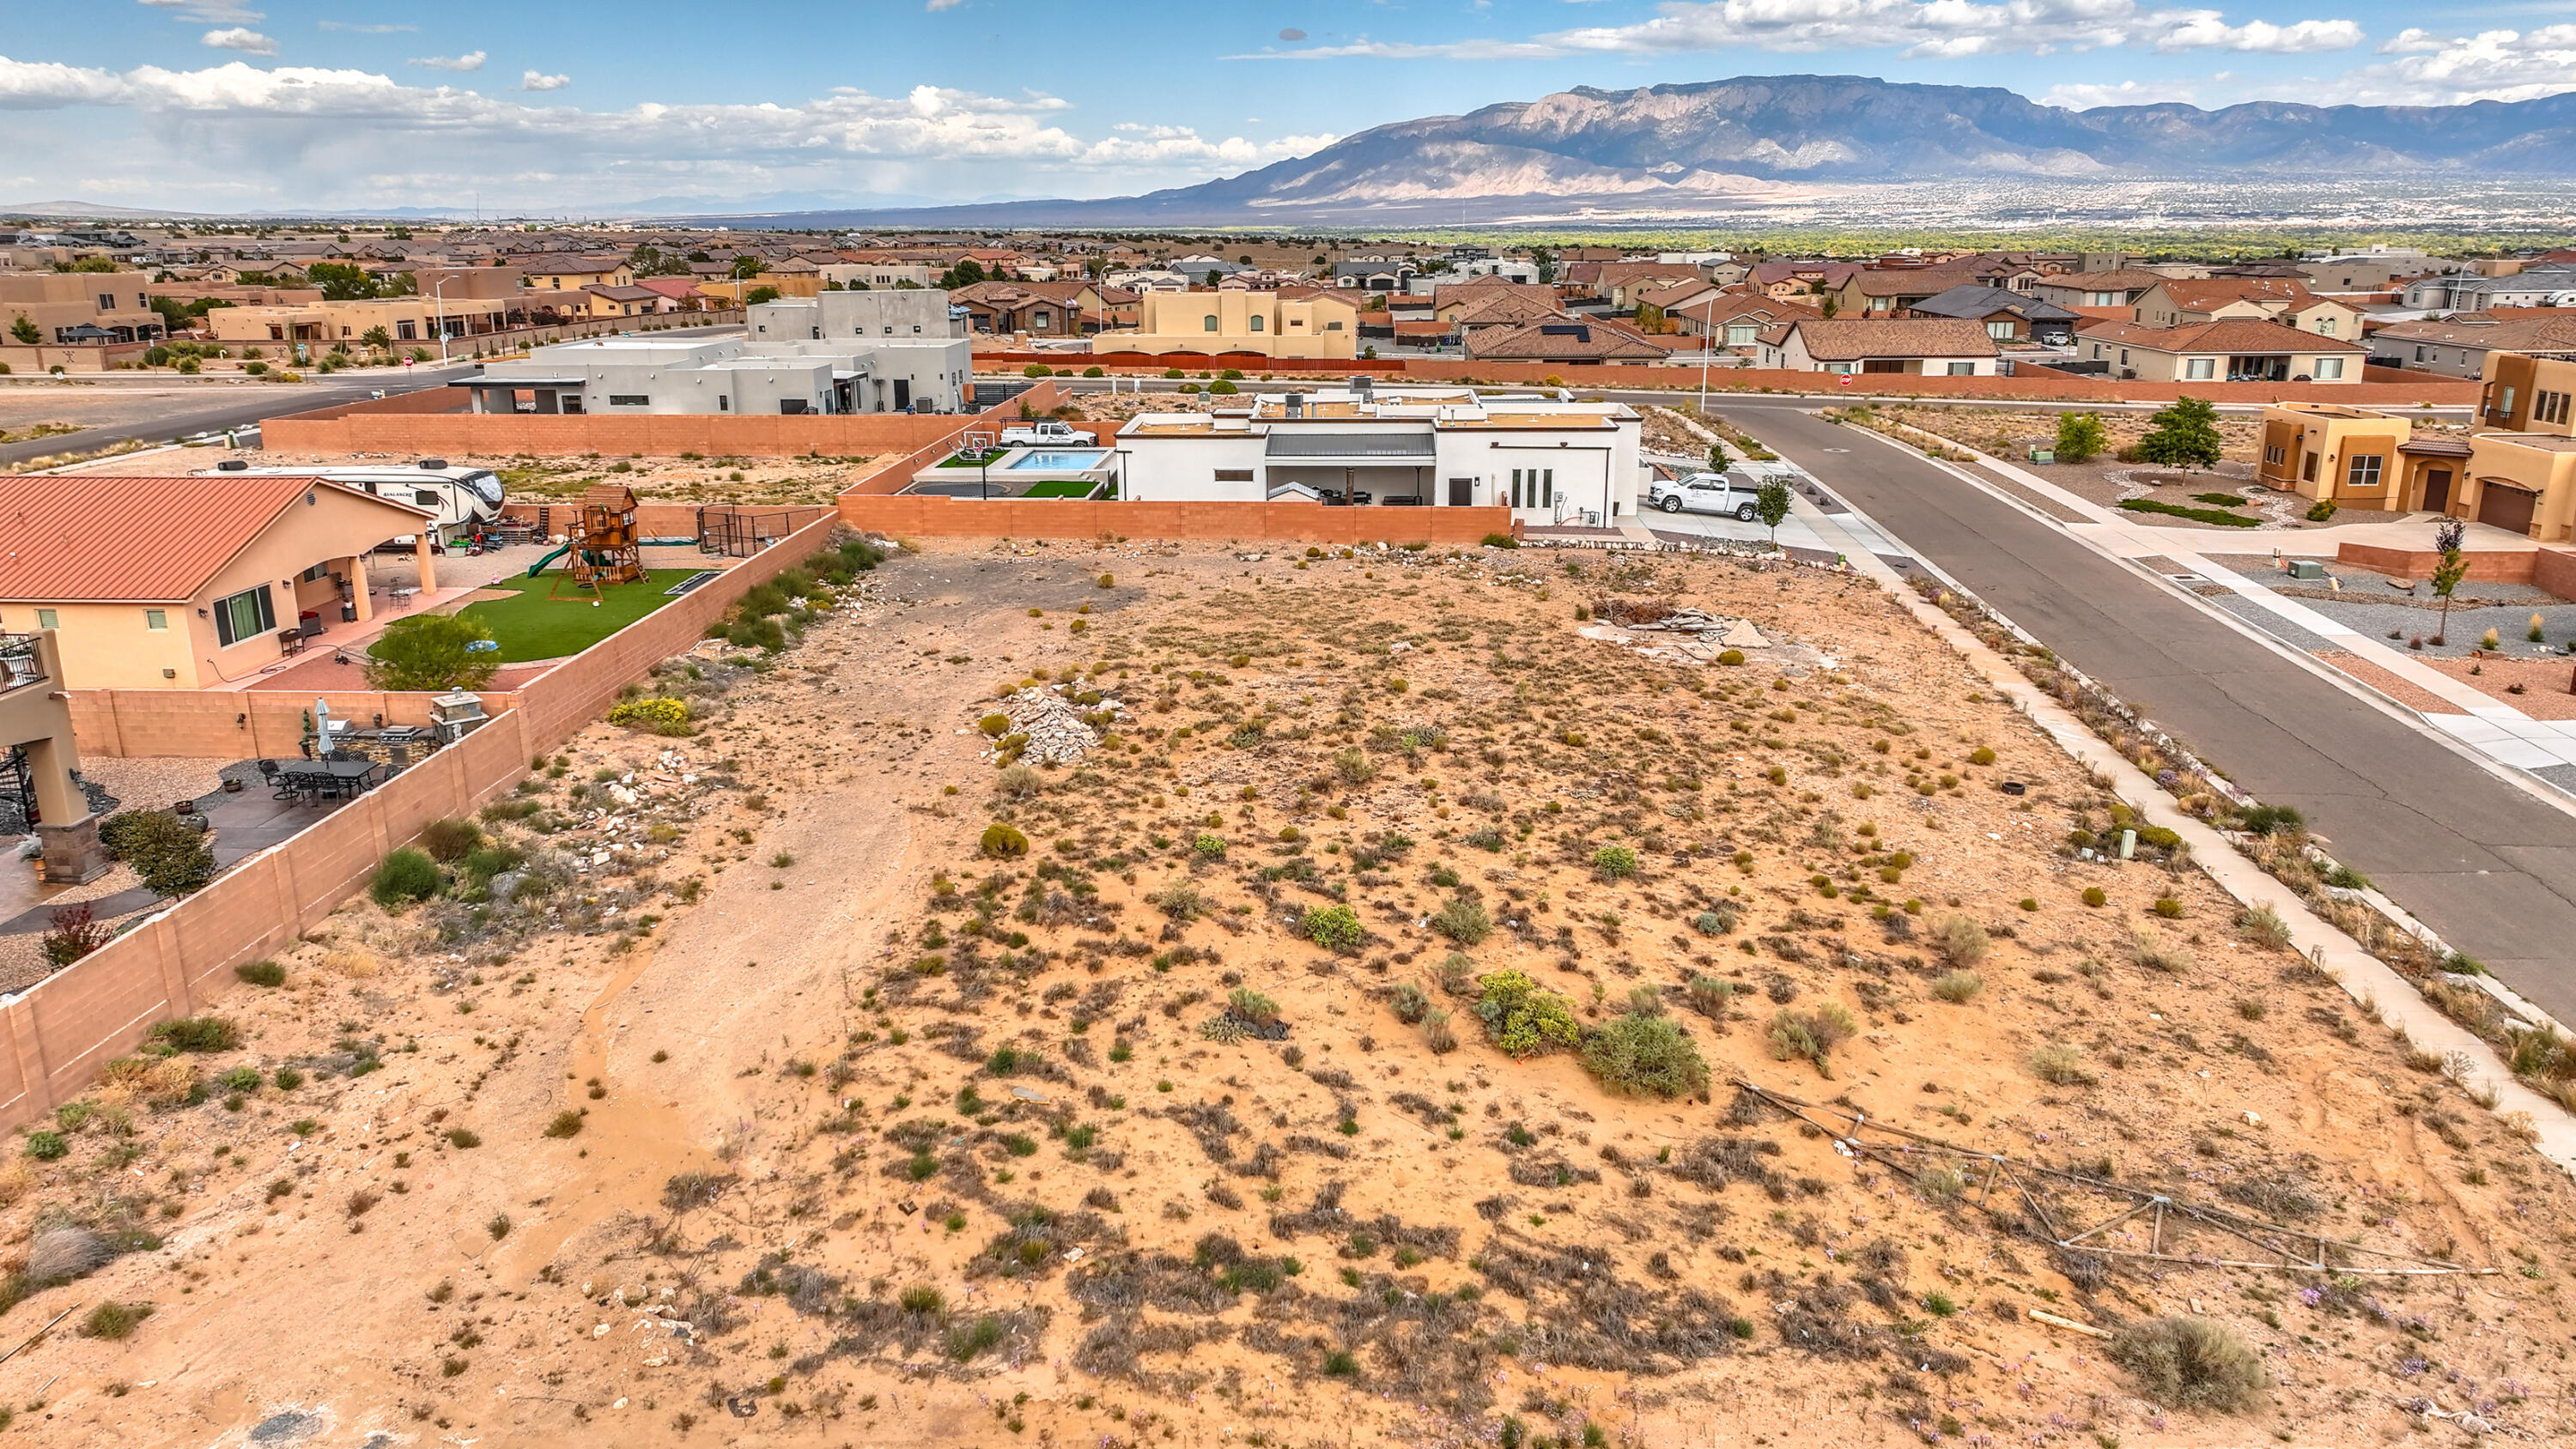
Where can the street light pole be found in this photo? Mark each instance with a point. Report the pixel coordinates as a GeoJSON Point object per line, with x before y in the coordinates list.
{"type": "Point", "coordinates": [1707, 337]}
{"type": "Point", "coordinates": [438, 299]}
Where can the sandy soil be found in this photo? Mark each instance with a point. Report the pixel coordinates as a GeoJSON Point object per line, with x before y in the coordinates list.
{"type": "Point", "coordinates": [660, 480]}
{"type": "Point", "coordinates": [2542, 683]}
{"type": "Point", "coordinates": [870, 1138]}
{"type": "Point", "coordinates": [2011, 435]}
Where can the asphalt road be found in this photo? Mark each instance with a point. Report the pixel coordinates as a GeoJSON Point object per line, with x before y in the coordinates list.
{"type": "Point", "coordinates": [225, 405]}
{"type": "Point", "coordinates": [2481, 861]}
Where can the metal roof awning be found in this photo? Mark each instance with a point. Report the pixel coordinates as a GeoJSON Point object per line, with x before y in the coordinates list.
{"type": "Point", "coordinates": [518, 382]}
{"type": "Point", "coordinates": [1348, 447]}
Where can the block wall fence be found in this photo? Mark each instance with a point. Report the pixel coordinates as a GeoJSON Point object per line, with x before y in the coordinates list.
{"type": "Point", "coordinates": [59, 1032]}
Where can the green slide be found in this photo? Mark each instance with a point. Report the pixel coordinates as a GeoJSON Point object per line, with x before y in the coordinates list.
{"type": "Point", "coordinates": [539, 566]}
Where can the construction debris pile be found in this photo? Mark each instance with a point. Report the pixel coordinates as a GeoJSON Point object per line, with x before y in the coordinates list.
{"type": "Point", "coordinates": [1057, 730]}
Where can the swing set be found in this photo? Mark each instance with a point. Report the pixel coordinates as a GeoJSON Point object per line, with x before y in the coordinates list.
{"type": "Point", "coordinates": [607, 549]}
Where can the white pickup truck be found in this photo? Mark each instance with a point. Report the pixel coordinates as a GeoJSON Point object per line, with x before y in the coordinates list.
{"type": "Point", "coordinates": [1707, 493]}
{"type": "Point", "coordinates": [1043, 433]}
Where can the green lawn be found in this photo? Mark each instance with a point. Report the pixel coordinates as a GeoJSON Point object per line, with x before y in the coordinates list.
{"type": "Point", "coordinates": [533, 626]}
{"type": "Point", "coordinates": [1063, 488]}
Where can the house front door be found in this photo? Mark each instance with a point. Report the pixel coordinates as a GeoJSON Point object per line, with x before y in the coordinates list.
{"type": "Point", "coordinates": [2437, 490]}
{"type": "Point", "coordinates": [1462, 492]}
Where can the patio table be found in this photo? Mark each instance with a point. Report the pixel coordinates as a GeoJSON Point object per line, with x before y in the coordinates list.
{"type": "Point", "coordinates": [317, 778]}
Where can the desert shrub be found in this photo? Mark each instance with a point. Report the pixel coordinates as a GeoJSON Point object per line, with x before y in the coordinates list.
{"type": "Point", "coordinates": [261, 973]}
{"type": "Point", "coordinates": [1017, 782]}
{"type": "Point", "coordinates": [1708, 995]}
{"type": "Point", "coordinates": [198, 1034]}
{"type": "Point", "coordinates": [74, 934]}
{"type": "Point", "coordinates": [994, 725]}
{"type": "Point", "coordinates": [2273, 820]}
{"type": "Point", "coordinates": [2059, 1064]}
{"type": "Point", "coordinates": [1252, 1006]}
{"type": "Point", "coordinates": [566, 1123]}
{"type": "Point", "coordinates": [1958, 987]}
{"type": "Point", "coordinates": [1812, 1034]}
{"type": "Point", "coordinates": [47, 1146]}
{"type": "Point", "coordinates": [1713, 923]}
{"type": "Point", "coordinates": [1208, 847]}
{"type": "Point", "coordinates": [2149, 950]}
{"type": "Point", "coordinates": [1615, 862]}
{"type": "Point", "coordinates": [450, 839]}
{"type": "Point", "coordinates": [407, 875]}
{"type": "Point", "coordinates": [1463, 919]}
{"type": "Point", "coordinates": [1961, 942]}
{"type": "Point", "coordinates": [1940, 1184]}
{"type": "Point", "coordinates": [1641, 1055]}
{"type": "Point", "coordinates": [653, 713]}
{"type": "Point", "coordinates": [1410, 1001]}
{"type": "Point", "coordinates": [1437, 1034]}
{"type": "Point", "coordinates": [114, 1321]}
{"type": "Point", "coordinates": [1354, 766]}
{"type": "Point", "coordinates": [1335, 928]}
{"type": "Point", "coordinates": [2189, 1362]}
{"type": "Point", "coordinates": [1004, 842]}
{"type": "Point", "coordinates": [2265, 926]}
{"type": "Point", "coordinates": [2096, 896]}
{"type": "Point", "coordinates": [1522, 1019]}
{"type": "Point", "coordinates": [1730, 656]}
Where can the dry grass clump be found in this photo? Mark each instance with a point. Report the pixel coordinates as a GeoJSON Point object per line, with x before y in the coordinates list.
{"type": "Point", "coordinates": [2190, 1362]}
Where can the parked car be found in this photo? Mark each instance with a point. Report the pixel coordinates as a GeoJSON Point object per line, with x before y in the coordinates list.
{"type": "Point", "coordinates": [1045, 432]}
{"type": "Point", "coordinates": [1707, 493]}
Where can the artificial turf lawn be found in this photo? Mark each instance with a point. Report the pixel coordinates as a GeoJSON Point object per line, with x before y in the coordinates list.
{"type": "Point", "coordinates": [1063, 488]}
{"type": "Point", "coordinates": [2198, 515]}
{"type": "Point", "coordinates": [533, 626]}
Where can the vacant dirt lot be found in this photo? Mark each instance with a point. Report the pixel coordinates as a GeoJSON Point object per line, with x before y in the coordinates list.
{"type": "Point", "coordinates": [533, 480]}
{"type": "Point", "coordinates": [760, 1091]}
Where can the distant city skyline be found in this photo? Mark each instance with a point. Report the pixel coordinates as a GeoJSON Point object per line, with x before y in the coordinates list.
{"type": "Point", "coordinates": [244, 105]}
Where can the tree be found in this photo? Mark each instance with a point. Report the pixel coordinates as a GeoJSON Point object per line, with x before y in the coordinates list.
{"type": "Point", "coordinates": [377, 337]}
{"type": "Point", "coordinates": [433, 652]}
{"type": "Point", "coordinates": [2447, 537]}
{"type": "Point", "coordinates": [25, 331]}
{"type": "Point", "coordinates": [758, 295]}
{"type": "Point", "coordinates": [96, 264]}
{"type": "Point", "coordinates": [1717, 458]}
{"type": "Point", "coordinates": [1828, 308]}
{"type": "Point", "coordinates": [2184, 436]}
{"type": "Point", "coordinates": [1771, 505]}
{"type": "Point", "coordinates": [745, 268]}
{"type": "Point", "coordinates": [340, 281]}
{"type": "Point", "coordinates": [966, 273]}
{"type": "Point", "coordinates": [649, 260]}
{"type": "Point", "coordinates": [2080, 436]}
{"type": "Point", "coordinates": [1214, 276]}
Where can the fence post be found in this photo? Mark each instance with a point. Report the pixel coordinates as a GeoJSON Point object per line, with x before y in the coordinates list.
{"type": "Point", "coordinates": [27, 1049]}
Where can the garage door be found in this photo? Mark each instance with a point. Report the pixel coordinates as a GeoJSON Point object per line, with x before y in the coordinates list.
{"type": "Point", "coordinates": [2507, 508]}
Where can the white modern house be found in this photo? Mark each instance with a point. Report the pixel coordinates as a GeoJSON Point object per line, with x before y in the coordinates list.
{"type": "Point", "coordinates": [839, 352]}
{"type": "Point", "coordinates": [1548, 459]}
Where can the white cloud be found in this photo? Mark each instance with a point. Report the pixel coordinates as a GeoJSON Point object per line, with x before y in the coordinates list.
{"type": "Point", "coordinates": [2493, 65]}
{"type": "Point", "coordinates": [358, 137]}
{"type": "Point", "coordinates": [471, 60]}
{"type": "Point", "coordinates": [211, 12]}
{"type": "Point", "coordinates": [249, 42]}
{"type": "Point", "coordinates": [935, 6]}
{"type": "Point", "coordinates": [2076, 96]}
{"type": "Point", "coordinates": [537, 80]}
{"type": "Point", "coordinates": [356, 29]}
{"type": "Point", "coordinates": [1925, 29]}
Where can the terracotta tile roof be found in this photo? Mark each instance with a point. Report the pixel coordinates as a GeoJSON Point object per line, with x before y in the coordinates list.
{"type": "Point", "coordinates": [1506, 307]}
{"type": "Point", "coordinates": [2211, 293]}
{"type": "Point", "coordinates": [1563, 342]}
{"type": "Point", "coordinates": [2239, 334]}
{"type": "Point", "coordinates": [67, 537]}
{"type": "Point", "coordinates": [1855, 340]}
{"type": "Point", "coordinates": [2508, 334]}
{"type": "Point", "coordinates": [1908, 281]}
{"type": "Point", "coordinates": [2130, 280]}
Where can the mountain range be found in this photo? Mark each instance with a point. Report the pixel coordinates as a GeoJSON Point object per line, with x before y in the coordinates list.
{"type": "Point", "coordinates": [1714, 144]}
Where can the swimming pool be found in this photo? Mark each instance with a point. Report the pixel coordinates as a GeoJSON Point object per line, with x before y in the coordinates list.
{"type": "Point", "coordinates": [1059, 461]}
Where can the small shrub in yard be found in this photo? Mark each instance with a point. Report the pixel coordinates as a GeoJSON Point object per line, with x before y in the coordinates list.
{"type": "Point", "coordinates": [1958, 987]}
{"type": "Point", "coordinates": [2273, 820]}
{"type": "Point", "coordinates": [1003, 842]}
{"type": "Point", "coordinates": [2095, 896]}
{"type": "Point", "coordinates": [1981, 756]}
{"type": "Point", "coordinates": [1615, 862]}
{"type": "Point", "coordinates": [2190, 1362]}
{"type": "Point", "coordinates": [47, 1146]}
{"type": "Point", "coordinates": [74, 934]}
{"type": "Point", "coordinates": [450, 839]}
{"type": "Point", "coordinates": [261, 973]}
{"type": "Point", "coordinates": [1335, 928]}
{"type": "Point", "coordinates": [2168, 907]}
{"type": "Point", "coordinates": [1645, 1055]}
{"type": "Point", "coordinates": [1463, 919]}
{"type": "Point", "coordinates": [2060, 1065]}
{"type": "Point", "coordinates": [406, 876]}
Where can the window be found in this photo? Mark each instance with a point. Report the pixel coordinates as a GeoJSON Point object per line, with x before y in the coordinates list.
{"type": "Point", "coordinates": [2504, 403]}
{"type": "Point", "coordinates": [107, 301]}
{"type": "Point", "coordinates": [1332, 326]}
{"type": "Point", "coordinates": [2124, 357]}
{"type": "Point", "coordinates": [2199, 368]}
{"type": "Point", "coordinates": [2274, 455]}
{"type": "Point", "coordinates": [1234, 475]}
{"type": "Point", "coordinates": [724, 403]}
{"type": "Point", "coordinates": [245, 615]}
{"type": "Point", "coordinates": [2329, 368]}
{"type": "Point", "coordinates": [2308, 469]}
{"type": "Point", "coordinates": [2549, 407]}
{"type": "Point", "coordinates": [156, 619]}
{"type": "Point", "coordinates": [2325, 326]}
{"type": "Point", "coordinates": [1256, 324]}
{"type": "Point", "coordinates": [1533, 487]}
{"type": "Point", "coordinates": [1963, 369]}
{"type": "Point", "coordinates": [406, 331]}
{"type": "Point", "coordinates": [2419, 354]}
{"type": "Point", "coordinates": [48, 619]}
{"type": "Point", "coordinates": [630, 400]}
{"type": "Point", "coordinates": [425, 498]}
{"type": "Point", "coordinates": [2362, 471]}
{"type": "Point", "coordinates": [1740, 334]}
{"type": "Point", "coordinates": [1207, 324]}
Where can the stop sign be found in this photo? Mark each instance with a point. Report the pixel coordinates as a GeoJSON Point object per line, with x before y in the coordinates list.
{"type": "Point", "coordinates": [1843, 379]}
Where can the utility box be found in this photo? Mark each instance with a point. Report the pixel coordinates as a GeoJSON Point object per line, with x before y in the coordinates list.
{"type": "Point", "coordinates": [2043, 455]}
{"type": "Point", "coordinates": [2307, 570]}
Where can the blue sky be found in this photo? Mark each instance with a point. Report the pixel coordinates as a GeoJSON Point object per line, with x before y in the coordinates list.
{"type": "Point", "coordinates": [250, 104]}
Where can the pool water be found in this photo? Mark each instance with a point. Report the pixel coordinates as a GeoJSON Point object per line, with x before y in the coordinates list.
{"type": "Point", "coordinates": [1060, 461]}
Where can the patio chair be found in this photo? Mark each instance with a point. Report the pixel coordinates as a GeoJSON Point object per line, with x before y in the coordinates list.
{"type": "Point", "coordinates": [278, 786]}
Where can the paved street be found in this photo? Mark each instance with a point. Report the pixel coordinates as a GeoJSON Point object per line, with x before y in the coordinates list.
{"type": "Point", "coordinates": [227, 405]}
{"type": "Point", "coordinates": [2486, 864]}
